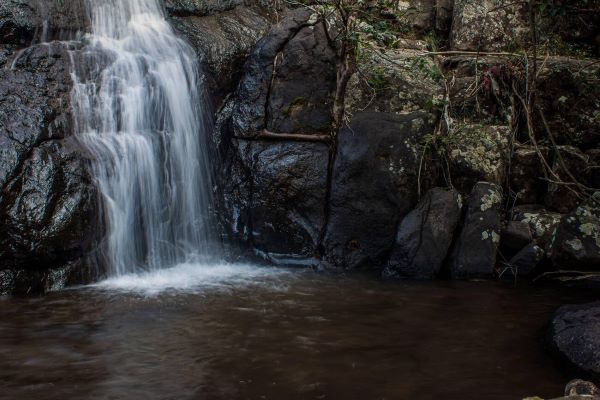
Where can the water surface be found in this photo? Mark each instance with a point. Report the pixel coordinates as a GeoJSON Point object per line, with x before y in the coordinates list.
{"type": "Point", "coordinates": [241, 332]}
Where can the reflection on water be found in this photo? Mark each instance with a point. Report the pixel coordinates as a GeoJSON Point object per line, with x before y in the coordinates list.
{"type": "Point", "coordinates": [251, 333]}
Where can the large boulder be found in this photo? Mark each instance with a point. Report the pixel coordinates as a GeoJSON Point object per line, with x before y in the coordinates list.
{"type": "Point", "coordinates": [574, 336]}
{"type": "Point", "coordinates": [48, 203]}
{"type": "Point", "coordinates": [374, 184]}
{"type": "Point", "coordinates": [577, 238]}
{"type": "Point", "coordinates": [276, 198]}
{"type": "Point", "coordinates": [488, 25]}
{"type": "Point", "coordinates": [425, 235]}
{"type": "Point", "coordinates": [475, 251]}
{"type": "Point", "coordinates": [288, 83]}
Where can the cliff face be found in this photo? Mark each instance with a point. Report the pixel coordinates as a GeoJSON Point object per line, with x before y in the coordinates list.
{"type": "Point", "coordinates": [441, 97]}
{"type": "Point", "coordinates": [449, 160]}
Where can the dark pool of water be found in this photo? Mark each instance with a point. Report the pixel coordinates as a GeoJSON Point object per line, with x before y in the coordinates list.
{"type": "Point", "coordinates": [295, 335]}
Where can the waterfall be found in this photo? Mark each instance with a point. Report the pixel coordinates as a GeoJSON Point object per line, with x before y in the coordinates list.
{"type": "Point", "coordinates": [142, 119]}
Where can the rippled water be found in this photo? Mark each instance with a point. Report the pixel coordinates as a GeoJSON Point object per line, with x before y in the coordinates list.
{"type": "Point", "coordinates": [241, 332]}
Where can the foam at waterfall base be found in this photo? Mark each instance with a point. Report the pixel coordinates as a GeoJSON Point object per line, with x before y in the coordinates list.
{"type": "Point", "coordinates": [194, 277]}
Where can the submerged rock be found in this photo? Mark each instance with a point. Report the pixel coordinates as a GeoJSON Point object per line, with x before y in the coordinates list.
{"type": "Point", "coordinates": [575, 337]}
{"type": "Point", "coordinates": [374, 185]}
{"type": "Point", "coordinates": [425, 235]}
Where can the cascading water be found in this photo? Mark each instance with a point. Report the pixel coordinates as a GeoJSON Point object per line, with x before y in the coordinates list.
{"type": "Point", "coordinates": [143, 122]}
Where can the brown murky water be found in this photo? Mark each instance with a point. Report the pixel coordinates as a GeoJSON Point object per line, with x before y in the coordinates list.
{"type": "Point", "coordinates": [291, 335]}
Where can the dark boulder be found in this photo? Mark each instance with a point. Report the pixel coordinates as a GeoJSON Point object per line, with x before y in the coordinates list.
{"type": "Point", "coordinates": [515, 235]}
{"type": "Point", "coordinates": [374, 184]}
{"type": "Point", "coordinates": [48, 203]}
{"type": "Point", "coordinates": [574, 336]}
{"type": "Point", "coordinates": [252, 99]}
{"type": "Point", "coordinates": [304, 81]}
{"type": "Point", "coordinates": [276, 198]}
{"type": "Point", "coordinates": [474, 255]}
{"type": "Point", "coordinates": [577, 239]}
{"type": "Point", "coordinates": [526, 174]}
{"type": "Point", "coordinates": [525, 261]}
{"type": "Point", "coordinates": [425, 235]}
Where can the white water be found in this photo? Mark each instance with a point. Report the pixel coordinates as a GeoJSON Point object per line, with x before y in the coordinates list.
{"type": "Point", "coordinates": [143, 121]}
{"type": "Point", "coordinates": [196, 278]}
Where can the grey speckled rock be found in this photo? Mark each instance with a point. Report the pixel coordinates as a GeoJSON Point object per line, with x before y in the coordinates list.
{"type": "Point", "coordinates": [577, 239]}
{"type": "Point", "coordinates": [487, 25]}
{"type": "Point", "coordinates": [374, 185]}
{"type": "Point", "coordinates": [425, 235]}
{"type": "Point", "coordinates": [475, 252]}
{"type": "Point", "coordinates": [575, 336]}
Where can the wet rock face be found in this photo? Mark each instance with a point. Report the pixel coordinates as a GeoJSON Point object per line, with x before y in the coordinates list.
{"type": "Point", "coordinates": [374, 185]}
{"type": "Point", "coordinates": [199, 7]}
{"type": "Point", "coordinates": [222, 40]}
{"type": "Point", "coordinates": [575, 337]}
{"type": "Point", "coordinates": [48, 203]}
{"type": "Point", "coordinates": [425, 235]}
{"type": "Point", "coordinates": [577, 239]}
{"type": "Point", "coordinates": [23, 22]}
{"type": "Point", "coordinates": [475, 252]}
{"type": "Point", "coordinates": [17, 22]}
{"type": "Point", "coordinates": [283, 197]}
